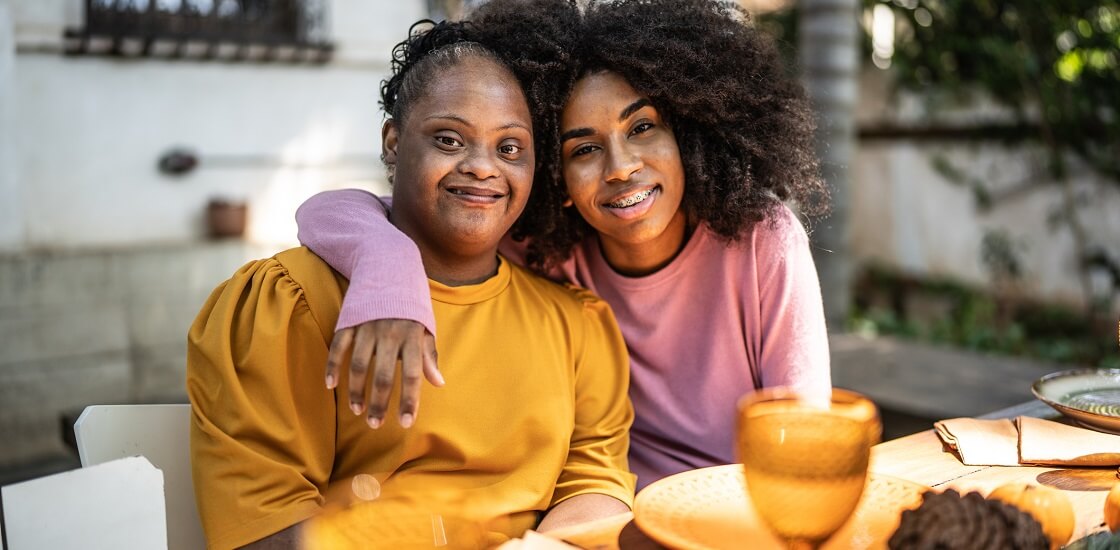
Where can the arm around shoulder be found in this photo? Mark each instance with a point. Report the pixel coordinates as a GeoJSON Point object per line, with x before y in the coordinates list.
{"type": "Point", "coordinates": [351, 231]}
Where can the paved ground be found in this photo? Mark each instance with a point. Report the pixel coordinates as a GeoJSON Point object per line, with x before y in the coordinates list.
{"type": "Point", "coordinates": [913, 384]}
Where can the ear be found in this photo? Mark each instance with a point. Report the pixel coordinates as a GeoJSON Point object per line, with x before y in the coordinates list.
{"type": "Point", "coordinates": [389, 138]}
{"type": "Point", "coordinates": [567, 202]}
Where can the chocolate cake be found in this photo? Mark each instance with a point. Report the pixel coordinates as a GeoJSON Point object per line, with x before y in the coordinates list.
{"type": "Point", "coordinates": [949, 521]}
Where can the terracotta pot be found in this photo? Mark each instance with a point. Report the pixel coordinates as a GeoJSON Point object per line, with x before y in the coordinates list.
{"type": "Point", "coordinates": [226, 219]}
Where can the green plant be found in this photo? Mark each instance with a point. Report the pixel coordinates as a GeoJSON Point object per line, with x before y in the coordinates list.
{"type": "Point", "coordinates": [974, 321]}
{"type": "Point", "coordinates": [1053, 66]}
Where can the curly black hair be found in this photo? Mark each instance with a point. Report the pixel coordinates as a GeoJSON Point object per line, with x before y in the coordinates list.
{"type": "Point", "coordinates": [742, 123]}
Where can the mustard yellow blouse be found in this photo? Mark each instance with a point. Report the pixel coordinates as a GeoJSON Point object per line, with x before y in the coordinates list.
{"type": "Point", "coordinates": [534, 412]}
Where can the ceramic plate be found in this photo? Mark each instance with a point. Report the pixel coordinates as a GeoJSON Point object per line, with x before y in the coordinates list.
{"type": "Point", "coordinates": [709, 509]}
{"type": "Point", "coordinates": [1091, 397]}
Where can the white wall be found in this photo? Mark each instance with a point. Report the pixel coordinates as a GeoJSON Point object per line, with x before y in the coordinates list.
{"type": "Point", "coordinates": [909, 216]}
{"type": "Point", "coordinates": [89, 130]}
{"type": "Point", "coordinates": [11, 221]}
{"type": "Point", "coordinates": [92, 129]}
{"type": "Point", "coordinates": [367, 30]}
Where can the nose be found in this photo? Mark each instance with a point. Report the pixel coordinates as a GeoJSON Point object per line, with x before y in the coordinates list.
{"type": "Point", "coordinates": [622, 162]}
{"type": "Point", "coordinates": [479, 164]}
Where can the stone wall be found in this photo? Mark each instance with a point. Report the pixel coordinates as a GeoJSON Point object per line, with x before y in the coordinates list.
{"type": "Point", "coordinates": [907, 215]}
{"type": "Point", "coordinates": [98, 327]}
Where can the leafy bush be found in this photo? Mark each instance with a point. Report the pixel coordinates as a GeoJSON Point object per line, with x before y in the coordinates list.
{"type": "Point", "coordinates": [978, 320]}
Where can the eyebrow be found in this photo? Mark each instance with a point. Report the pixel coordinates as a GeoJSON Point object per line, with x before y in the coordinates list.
{"type": "Point", "coordinates": [633, 108]}
{"type": "Point", "coordinates": [629, 110]}
{"type": "Point", "coordinates": [576, 133]}
{"type": "Point", "coordinates": [465, 122]}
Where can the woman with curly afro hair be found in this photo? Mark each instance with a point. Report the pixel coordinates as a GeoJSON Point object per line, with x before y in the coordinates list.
{"type": "Point", "coordinates": [670, 139]}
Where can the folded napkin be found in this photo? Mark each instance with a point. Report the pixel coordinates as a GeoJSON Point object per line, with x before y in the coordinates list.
{"type": "Point", "coordinates": [1027, 440]}
{"type": "Point", "coordinates": [533, 540]}
{"type": "Point", "coordinates": [981, 442]}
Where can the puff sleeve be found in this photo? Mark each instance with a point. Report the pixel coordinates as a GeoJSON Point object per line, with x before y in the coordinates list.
{"type": "Point", "coordinates": [262, 430]}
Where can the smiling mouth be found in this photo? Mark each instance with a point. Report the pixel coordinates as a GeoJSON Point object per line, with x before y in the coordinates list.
{"type": "Point", "coordinates": [631, 200]}
{"type": "Point", "coordinates": [479, 193]}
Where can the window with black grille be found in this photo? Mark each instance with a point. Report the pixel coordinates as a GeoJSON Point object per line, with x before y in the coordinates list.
{"type": "Point", "coordinates": [252, 30]}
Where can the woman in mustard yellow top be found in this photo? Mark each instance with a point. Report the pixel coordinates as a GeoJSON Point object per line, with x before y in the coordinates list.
{"type": "Point", "coordinates": [533, 420]}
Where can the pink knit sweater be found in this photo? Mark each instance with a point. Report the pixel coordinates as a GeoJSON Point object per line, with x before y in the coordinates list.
{"type": "Point", "coordinates": [720, 321]}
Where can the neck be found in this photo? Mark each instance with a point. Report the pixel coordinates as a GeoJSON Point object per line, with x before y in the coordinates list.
{"type": "Point", "coordinates": [638, 259]}
{"type": "Point", "coordinates": [452, 264]}
{"type": "Point", "coordinates": [459, 272]}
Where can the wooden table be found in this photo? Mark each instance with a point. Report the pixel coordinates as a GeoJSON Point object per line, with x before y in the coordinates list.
{"type": "Point", "coordinates": [922, 458]}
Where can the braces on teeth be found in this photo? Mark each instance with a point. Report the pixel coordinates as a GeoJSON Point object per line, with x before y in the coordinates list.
{"type": "Point", "coordinates": [632, 199]}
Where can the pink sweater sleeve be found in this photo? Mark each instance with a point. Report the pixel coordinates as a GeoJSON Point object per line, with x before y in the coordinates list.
{"type": "Point", "coordinates": [350, 230]}
{"type": "Point", "coordinates": [795, 341]}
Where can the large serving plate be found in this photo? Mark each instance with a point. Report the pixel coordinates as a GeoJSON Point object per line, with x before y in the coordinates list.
{"type": "Point", "coordinates": [709, 509]}
{"type": "Point", "coordinates": [1091, 397]}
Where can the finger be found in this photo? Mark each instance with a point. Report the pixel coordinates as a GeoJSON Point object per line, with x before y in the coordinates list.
{"type": "Point", "coordinates": [411, 369]}
{"type": "Point", "coordinates": [384, 371]}
{"type": "Point", "coordinates": [340, 345]}
{"type": "Point", "coordinates": [359, 365]}
{"type": "Point", "coordinates": [431, 365]}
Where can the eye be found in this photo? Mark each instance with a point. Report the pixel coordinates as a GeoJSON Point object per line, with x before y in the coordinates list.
{"type": "Point", "coordinates": [641, 128]}
{"type": "Point", "coordinates": [583, 150]}
{"type": "Point", "coordinates": [448, 141]}
{"type": "Point", "coordinates": [509, 149]}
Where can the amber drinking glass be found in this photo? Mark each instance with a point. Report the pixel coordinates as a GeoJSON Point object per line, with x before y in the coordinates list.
{"type": "Point", "coordinates": [805, 459]}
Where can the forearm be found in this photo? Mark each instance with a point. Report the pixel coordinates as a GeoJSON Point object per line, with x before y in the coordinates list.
{"type": "Point", "coordinates": [581, 509]}
{"type": "Point", "coordinates": [288, 539]}
{"type": "Point", "coordinates": [341, 226]}
{"type": "Point", "coordinates": [350, 230]}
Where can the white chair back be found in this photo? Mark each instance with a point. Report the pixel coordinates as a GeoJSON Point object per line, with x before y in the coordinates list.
{"type": "Point", "coordinates": [116, 505]}
{"type": "Point", "coordinates": [161, 433]}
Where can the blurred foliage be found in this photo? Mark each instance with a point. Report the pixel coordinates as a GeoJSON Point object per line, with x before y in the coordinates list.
{"type": "Point", "coordinates": [1000, 253]}
{"type": "Point", "coordinates": [1054, 64]}
{"type": "Point", "coordinates": [1055, 67]}
{"type": "Point", "coordinates": [948, 312]}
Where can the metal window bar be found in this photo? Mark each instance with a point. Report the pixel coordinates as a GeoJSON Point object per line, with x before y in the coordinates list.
{"type": "Point", "coordinates": [293, 30]}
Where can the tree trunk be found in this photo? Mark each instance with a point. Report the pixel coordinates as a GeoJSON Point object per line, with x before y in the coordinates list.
{"type": "Point", "coordinates": [829, 53]}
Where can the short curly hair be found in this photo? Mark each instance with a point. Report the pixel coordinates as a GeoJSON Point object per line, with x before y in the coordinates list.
{"type": "Point", "coordinates": [417, 60]}
{"type": "Point", "coordinates": [742, 122]}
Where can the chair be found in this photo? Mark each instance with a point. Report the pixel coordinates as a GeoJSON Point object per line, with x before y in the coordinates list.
{"type": "Point", "coordinates": [116, 505]}
{"type": "Point", "coordinates": [161, 433]}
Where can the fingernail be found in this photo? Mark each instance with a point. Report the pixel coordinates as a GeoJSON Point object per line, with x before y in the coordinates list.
{"type": "Point", "coordinates": [356, 408]}
{"type": "Point", "coordinates": [406, 420]}
{"type": "Point", "coordinates": [330, 381]}
{"type": "Point", "coordinates": [373, 422]}
{"type": "Point", "coordinates": [439, 378]}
